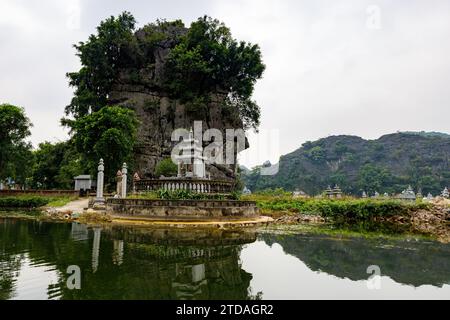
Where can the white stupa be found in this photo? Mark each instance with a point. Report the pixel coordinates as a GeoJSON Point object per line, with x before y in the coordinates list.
{"type": "Point", "coordinates": [191, 162]}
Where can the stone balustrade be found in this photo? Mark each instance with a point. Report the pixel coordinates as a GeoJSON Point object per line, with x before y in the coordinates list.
{"type": "Point", "coordinates": [193, 185]}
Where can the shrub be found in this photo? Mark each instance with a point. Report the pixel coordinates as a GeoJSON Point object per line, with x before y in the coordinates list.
{"type": "Point", "coordinates": [23, 202]}
{"type": "Point", "coordinates": [166, 168]}
{"type": "Point", "coordinates": [346, 208]}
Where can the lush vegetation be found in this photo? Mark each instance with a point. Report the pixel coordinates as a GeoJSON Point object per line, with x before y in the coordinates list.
{"type": "Point", "coordinates": [388, 164]}
{"type": "Point", "coordinates": [347, 208]}
{"type": "Point", "coordinates": [206, 58]}
{"type": "Point", "coordinates": [54, 166]}
{"type": "Point", "coordinates": [24, 202]}
{"type": "Point", "coordinates": [109, 133]}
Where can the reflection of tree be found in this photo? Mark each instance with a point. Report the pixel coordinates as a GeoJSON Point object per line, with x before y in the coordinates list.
{"type": "Point", "coordinates": [9, 267]}
{"type": "Point", "coordinates": [131, 263]}
{"type": "Point", "coordinates": [412, 263]}
{"type": "Point", "coordinates": [152, 268]}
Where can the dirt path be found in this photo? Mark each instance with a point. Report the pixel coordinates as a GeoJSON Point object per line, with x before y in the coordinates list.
{"type": "Point", "coordinates": [76, 206]}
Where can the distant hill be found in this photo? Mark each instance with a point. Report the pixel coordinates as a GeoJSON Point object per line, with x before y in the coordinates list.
{"type": "Point", "coordinates": [389, 164]}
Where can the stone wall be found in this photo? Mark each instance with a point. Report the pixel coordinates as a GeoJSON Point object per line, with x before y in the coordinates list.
{"type": "Point", "coordinates": [181, 209]}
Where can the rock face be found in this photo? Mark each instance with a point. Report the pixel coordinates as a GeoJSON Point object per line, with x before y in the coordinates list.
{"type": "Point", "coordinates": [142, 90]}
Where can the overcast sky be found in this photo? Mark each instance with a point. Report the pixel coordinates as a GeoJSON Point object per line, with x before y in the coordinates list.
{"type": "Point", "coordinates": [356, 67]}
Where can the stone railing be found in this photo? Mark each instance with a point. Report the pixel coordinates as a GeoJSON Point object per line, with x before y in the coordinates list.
{"type": "Point", "coordinates": [193, 185]}
{"type": "Point", "coordinates": [194, 210]}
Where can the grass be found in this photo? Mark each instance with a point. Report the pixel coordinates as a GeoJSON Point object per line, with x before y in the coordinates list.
{"type": "Point", "coordinates": [344, 232]}
{"type": "Point", "coordinates": [60, 201]}
{"type": "Point", "coordinates": [348, 208]}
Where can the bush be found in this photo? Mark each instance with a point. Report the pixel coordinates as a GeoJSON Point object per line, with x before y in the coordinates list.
{"type": "Point", "coordinates": [346, 208]}
{"type": "Point", "coordinates": [187, 195]}
{"type": "Point", "coordinates": [23, 202]}
{"type": "Point", "coordinates": [166, 168]}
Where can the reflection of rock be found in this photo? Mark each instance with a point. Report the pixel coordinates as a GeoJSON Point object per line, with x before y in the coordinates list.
{"type": "Point", "coordinates": [143, 263]}
{"type": "Point", "coordinates": [412, 263]}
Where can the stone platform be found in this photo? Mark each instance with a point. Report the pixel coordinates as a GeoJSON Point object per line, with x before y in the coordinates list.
{"type": "Point", "coordinates": [181, 210]}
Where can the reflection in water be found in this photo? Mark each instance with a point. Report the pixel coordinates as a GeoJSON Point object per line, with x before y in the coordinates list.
{"type": "Point", "coordinates": [415, 263]}
{"type": "Point", "coordinates": [123, 263]}
{"type": "Point", "coordinates": [138, 263]}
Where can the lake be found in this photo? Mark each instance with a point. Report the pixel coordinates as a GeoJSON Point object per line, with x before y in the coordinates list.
{"type": "Point", "coordinates": [44, 260]}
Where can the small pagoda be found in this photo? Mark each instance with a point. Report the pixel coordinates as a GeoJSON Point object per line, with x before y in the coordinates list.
{"type": "Point", "coordinates": [333, 193]}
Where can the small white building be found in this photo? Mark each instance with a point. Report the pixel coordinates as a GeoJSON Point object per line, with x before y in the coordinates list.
{"type": "Point", "coordinates": [445, 193]}
{"type": "Point", "coordinates": [83, 182]}
{"type": "Point", "coordinates": [246, 191]}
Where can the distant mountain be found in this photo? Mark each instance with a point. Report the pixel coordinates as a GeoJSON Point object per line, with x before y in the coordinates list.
{"type": "Point", "coordinates": [389, 164]}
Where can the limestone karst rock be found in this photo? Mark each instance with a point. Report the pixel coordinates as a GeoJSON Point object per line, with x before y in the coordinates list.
{"type": "Point", "coordinates": [141, 87]}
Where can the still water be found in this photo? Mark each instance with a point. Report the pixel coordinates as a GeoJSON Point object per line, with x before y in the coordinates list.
{"type": "Point", "coordinates": [37, 260]}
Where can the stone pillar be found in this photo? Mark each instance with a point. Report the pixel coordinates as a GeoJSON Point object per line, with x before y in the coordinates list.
{"type": "Point", "coordinates": [124, 181]}
{"type": "Point", "coordinates": [96, 249]}
{"type": "Point", "coordinates": [118, 252]}
{"type": "Point", "coordinates": [119, 183]}
{"type": "Point", "coordinates": [100, 182]}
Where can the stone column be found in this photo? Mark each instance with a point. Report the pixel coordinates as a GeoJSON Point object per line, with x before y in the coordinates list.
{"type": "Point", "coordinates": [179, 169]}
{"type": "Point", "coordinates": [100, 182]}
{"type": "Point", "coordinates": [124, 181]}
{"type": "Point", "coordinates": [119, 183]}
{"type": "Point", "coordinates": [96, 249]}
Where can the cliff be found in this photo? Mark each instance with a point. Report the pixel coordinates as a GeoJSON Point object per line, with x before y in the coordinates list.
{"type": "Point", "coordinates": [142, 86]}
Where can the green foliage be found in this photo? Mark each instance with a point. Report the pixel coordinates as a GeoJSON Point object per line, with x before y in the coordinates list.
{"type": "Point", "coordinates": [110, 134]}
{"type": "Point", "coordinates": [187, 195]}
{"type": "Point", "coordinates": [101, 57]}
{"type": "Point", "coordinates": [15, 152]}
{"type": "Point", "coordinates": [340, 209]}
{"type": "Point", "coordinates": [166, 168]}
{"type": "Point", "coordinates": [372, 179]}
{"type": "Point", "coordinates": [56, 202]}
{"type": "Point", "coordinates": [208, 58]}
{"type": "Point", "coordinates": [55, 166]}
{"type": "Point", "coordinates": [23, 202]}
{"type": "Point", "coordinates": [317, 154]}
